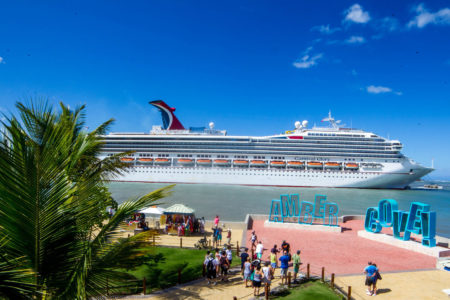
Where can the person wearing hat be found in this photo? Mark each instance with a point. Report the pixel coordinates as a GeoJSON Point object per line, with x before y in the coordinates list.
{"type": "Point", "coordinates": [211, 266]}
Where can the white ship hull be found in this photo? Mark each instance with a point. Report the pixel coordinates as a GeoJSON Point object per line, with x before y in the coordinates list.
{"type": "Point", "coordinates": [273, 177]}
{"type": "Point", "coordinates": [317, 157]}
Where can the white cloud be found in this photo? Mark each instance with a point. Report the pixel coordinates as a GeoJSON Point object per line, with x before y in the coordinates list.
{"type": "Point", "coordinates": [356, 14]}
{"type": "Point", "coordinates": [388, 24]}
{"type": "Point", "coordinates": [307, 60]}
{"type": "Point", "coordinates": [372, 89]}
{"type": "Point", "coordinates": [424, 17]}
{"type": "Point", "coordinates": [355, 40]}
{"type": "Point", "coordinates": [325, 29]}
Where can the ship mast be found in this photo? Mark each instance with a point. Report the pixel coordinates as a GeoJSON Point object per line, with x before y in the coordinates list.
{"type": "Point", "coordinates": [334, 124]}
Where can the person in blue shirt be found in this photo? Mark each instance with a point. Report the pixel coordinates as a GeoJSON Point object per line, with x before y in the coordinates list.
{"type": "Point", "coordinates": [371, 272]}
{"type": "Point", "coordinates": [284, 259]}
{"type": "Point", "coordinates": [244, 256]}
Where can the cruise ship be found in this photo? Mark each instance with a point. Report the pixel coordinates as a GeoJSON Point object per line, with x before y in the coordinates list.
{"type": "Point", "coordinates": [332, 156]}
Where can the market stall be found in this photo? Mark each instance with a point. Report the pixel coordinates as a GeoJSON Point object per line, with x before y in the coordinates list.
{"type": "Point", "coordinates": [179, 219]}
{"type": "Point", "coordinates": [154, 212]}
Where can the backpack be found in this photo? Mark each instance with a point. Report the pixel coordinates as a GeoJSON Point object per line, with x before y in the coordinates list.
{"type": "Point", "coordinates": [210, 266]}
{"type": "Point", "coordinates": [223, 262]}
{"type": "Point", "coordinates": [378, 276]}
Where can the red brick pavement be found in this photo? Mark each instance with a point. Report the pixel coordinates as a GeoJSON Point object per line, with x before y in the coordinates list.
{"type": "Point", "coordinates": [341, 253]}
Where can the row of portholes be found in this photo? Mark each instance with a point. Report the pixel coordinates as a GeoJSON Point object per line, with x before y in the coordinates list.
{"type": "Point", "coordinates": [214, 171]}
{"type": "Point", "coordinates": [235, 173]}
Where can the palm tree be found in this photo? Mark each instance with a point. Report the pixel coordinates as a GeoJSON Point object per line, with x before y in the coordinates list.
{"type": "Point", "coordinates": [52, 204]}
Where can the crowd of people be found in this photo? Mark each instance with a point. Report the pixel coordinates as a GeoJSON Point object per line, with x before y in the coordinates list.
{"type": "Point", "coordinates": [256, 271]}
{"type": "Point", "coordinates": [184, 224]}
{"type": "Point", "coordinates": [218, 233]}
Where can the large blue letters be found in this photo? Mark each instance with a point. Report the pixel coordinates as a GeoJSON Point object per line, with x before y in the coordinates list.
{"type": "Point", "coordinates": [289, 206]}
{"type": "Point", "coordinates": [419, 220]}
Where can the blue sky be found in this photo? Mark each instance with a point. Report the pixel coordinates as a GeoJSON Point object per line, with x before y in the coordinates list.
{"type": "Point", "coordinates": [252, 67]}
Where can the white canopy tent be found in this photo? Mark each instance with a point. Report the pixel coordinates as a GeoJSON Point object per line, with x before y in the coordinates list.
{"type": "Point", "coordinates": [153, 210]}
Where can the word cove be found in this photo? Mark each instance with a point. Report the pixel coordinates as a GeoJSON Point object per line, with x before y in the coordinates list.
{"type": "Point", "coordinates": [419, 220]}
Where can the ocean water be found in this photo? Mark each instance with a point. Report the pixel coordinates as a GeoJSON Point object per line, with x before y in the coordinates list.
{"type": "Point", "coordinates": [233, 202]}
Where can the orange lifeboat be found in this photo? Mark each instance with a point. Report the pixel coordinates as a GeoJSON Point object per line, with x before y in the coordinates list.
{"type": "Point", "coordinates": [240, 163]}
{"type": "Point", "coordinates": [162, 161]}
{"type": "Point", "coordinates": [315, 164]}
{"type": "Point", "coordinates": [351, 166]}
{"type": "Point", "coordinates": [145, 160]}
{"type": "Point", "coordinates": [295, 164]}
{"type": "Point", "coordinates": [258, 163]}
{"type": "Point", "coordinates": [332, 165]}
{"type": "Point", "coordinates": [127, 159]}
{"type": "Point", "coordinates": [278, 163]}
{"type": "Point", "coordinates": [204, 162]}
{"type": "Point", "coordinates": [222, 162]}
{"type": "Point", "coordinates": [185, 161]}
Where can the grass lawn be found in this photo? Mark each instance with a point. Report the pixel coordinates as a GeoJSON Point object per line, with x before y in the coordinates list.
{"type": "Point", "coordinates": [165, 273]}
{"type": "Point", "coordinates": [312, 290]}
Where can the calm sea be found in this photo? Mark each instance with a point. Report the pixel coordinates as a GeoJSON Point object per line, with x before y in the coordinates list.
{"type": "Point", "coordinates": [233, 202]}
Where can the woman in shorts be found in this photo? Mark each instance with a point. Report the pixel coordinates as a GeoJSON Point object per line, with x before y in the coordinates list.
{"type": "Point", "coordinates": [257, 279]}
{"type": "Point", "coordinates": [268, 274]}
{"type": "Point", "coordinates": [247, 271]}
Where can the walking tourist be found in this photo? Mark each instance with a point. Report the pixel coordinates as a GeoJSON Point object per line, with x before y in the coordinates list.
{"type": "Point", "coordinates": [215, 235]}
{"type": "Point", "coordinates": [253, 239]}
{"type": "Point", "coordinates": [224, 266]}
{"type": "Point", "coordinates": [268, 274]}
{"type": "Point", "coordinates": [217, 253]}
{"type": "Point", "coordinates": [371, 272]}
{"type": "Point", "coordinates": [229, 254]}
{"type": "Point", "coordinates": [244, 257]}
{"type": "Point", "coordinates": [202, 225]}
{"type": "Point", "coordinates": [296, 262]}
{"type": "Point", "coordinates": [286, 247]}
{"type": "Point", "coordinates": [247, 268]}
{"type": "Point", "coordinates": [259, 250]}
{"type": "Point", "coordinates": [208, 253]}
{"type": "Point", "coordinates": [216, 221]}
{"type": "Point", "coordinates": [211, 269]}
{"type": "Point", "coordinates": [229, 236]}
{"type": "Point", "coordinates": [257, 279]}
{"type": "Point", "coordinates": [273, 256]}
{"type": "Point", "coordinates": [274, 249]}
{"type": "Point", "coordinates": [284, 259]}
{"type": "Point", "coordinates": [219, 236]}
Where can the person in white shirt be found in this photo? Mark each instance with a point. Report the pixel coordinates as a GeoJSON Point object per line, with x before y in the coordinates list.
{"type": "Point", "coordinates": [211, 265]}
{"type": "Point", "coordinates": [268, 274]}
{"type": "Point", "coordinates": [229, 254]}
{"type": "Point", "coordinates": [259, 250]}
